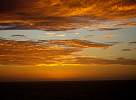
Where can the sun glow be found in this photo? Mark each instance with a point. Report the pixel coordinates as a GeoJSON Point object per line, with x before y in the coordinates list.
{"type": "Point", "coordinates": [67, 39]}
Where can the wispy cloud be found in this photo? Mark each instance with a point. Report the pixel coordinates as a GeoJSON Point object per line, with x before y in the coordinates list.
{"type": "Point", "coordinates": [94, 8]}
{"type": "Point", "coordinates": [66, 15]}
{"type": "Point", "coordinates": [120, 61]}
{"type": "Point", "coordinates": [28, 52]}
{"type": "Point", "coordinates": [131, 49]}
{"type": "Point", "coordinates": [133, 42]}
{"type": "Point", "coordinates": [79, 43]}
{"type": "Point", "coordinates": [52, 52]}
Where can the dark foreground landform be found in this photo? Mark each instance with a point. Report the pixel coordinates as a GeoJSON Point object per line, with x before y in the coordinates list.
{"type": "Point", "coordinates": [68, 90]}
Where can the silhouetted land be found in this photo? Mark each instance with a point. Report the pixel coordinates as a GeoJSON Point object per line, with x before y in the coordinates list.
{"type": "Point", "coordinates": [89, 90]}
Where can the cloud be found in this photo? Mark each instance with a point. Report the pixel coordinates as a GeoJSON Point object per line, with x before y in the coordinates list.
{"type": "Point", "coordinates": [126, 49]}
{"type": "Point", "coordinates": [79, 43]}
{"type": "Point", "coordinates": [13, 26]}
{"type": "Point", "coordinates": [61, 23]}
{"type": "Point", "coordinates": [31, 53]}
{"type": "Point", "coordinates": [6, 5]}
{"type": "Point", "coordinates": [114, 42]}
{"type": "Point", "coordinates": [133, 42]}
{"type": "Point", "coordinates": [120, 61]}
{"type": "Point", "coordinates": [13, 5]}
{"type": "Point", "coordinates": [18, 36]}
{"type": "Point", "coordinates": [93, 8]}
{"type": "Point", "coordinates": [52, 53]}
{"type": "Point", "coordinates": [132, 49]}
{"type": "Point", "coordinates": [6, 27]}
{"type": "Point", "coordinates": [109, 29]}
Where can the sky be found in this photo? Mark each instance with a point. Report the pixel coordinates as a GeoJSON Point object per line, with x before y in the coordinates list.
{"type": "Point", "coordinates": [38, 9]}
{"type": "Point", "coordinates": [60, 40]}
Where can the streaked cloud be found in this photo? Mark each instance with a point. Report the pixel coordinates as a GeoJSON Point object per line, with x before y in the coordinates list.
{"type": "Point", "coordinates": [133, 42]}
{"type": "Point", "coordinates": [21, 52]}
{"type": "Point", "coordinates": [52, 53]}
{"type": "Point", "coordinates": [60, 15]}
{"type": "Point", "coordinates": [120, 61]}
{"type": "Point", "coordinates": [18, 35]}
{"type": "Point", "coordinates": [79, 43]}
{"type": "Point", "coordinates": [109, 29]}
{"type": "Point", "coordinates": [131, 49]}
{"type": "Point", "coordinates": [71, 8]}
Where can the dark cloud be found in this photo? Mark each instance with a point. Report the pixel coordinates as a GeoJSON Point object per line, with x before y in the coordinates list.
{"type": "Point", "coordinates": [61, 23]}
{"type": "Point", "coordinates": [133, 42]}
{"type": "Point", "coordinates": [120, 61]}
{"type": "Point", "coordinates": [13, 26]}
{"type": "Point", "coordinates": [7, 26]}
{"type": "Point", "coordinates": [114, 42]}
{"type": "Point", "coordinates": [18, 36]}
{"type": "Point", "coordinates": [11, 5]}
{"type": "Point", "coordinates": [79, 43]}
{"type": "Point", "coordinates": [132, 49]}
{"type": "Point", "coordinates": [116, 9]}
{"type": "Point", "coordinates": [109, 29]}
{"type": "Point", "coordinates": [126, 49]}
{"type": "Point", "coordinates": [6, 5]}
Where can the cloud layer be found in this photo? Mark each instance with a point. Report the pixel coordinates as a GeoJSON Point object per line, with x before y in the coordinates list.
{"type": "Point", "coordinates": [92, 8]}
{"type": "Point", "coordinates": [52, 52]}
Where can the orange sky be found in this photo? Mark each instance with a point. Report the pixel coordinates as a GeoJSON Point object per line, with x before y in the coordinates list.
{"type": "Point", "coordinates": [50, 61]}
{"type": "Point", "coordinates": [67, 40]}
{"type": "Point", "coordinates": [92, 8]}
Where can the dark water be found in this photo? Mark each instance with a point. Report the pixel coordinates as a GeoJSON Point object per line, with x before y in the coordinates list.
{"type": "Point", "coordinates": [89, 90]}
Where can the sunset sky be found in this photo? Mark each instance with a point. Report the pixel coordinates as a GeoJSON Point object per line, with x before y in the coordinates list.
{"type": "Point", "coordinates": [57, 40]}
